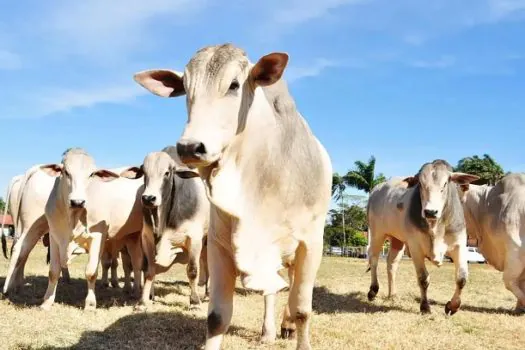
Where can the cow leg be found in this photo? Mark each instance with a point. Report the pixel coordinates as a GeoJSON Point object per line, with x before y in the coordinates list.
{"type": "Point", "coordinates": [269, 332]}
{"type": "Point", "coordinates": [423, 278]}
{"type": "Point", "coordinates": [288, 325]}
{"type": "Point", "coordinates": [127, 267]}
{"type": "Point", "coordinates": [307, 262]}
{"type": "Point", "coordinates": [54, 273]}
{"type": "Point", "coordinates": [222, 286]}
{"type": "Point", "coordinates": [134, 247]}
{"type": "Point", "coordinates": [376, 244]}
{"type": "Point", "coordinates": [106, 264]}
{"type": "Point", "coordinates": [394, 257]}
{"type": "Point", "coordinates": [19, 253]}
{"type": "Point", "coordinates": [459, 256]}
{"type": "Point", "coordinates": [96, 247]}
{"type": "Point", "coordinates": [192, 270]}
{"type": "Point", "coordinates": [203, 270]}
{"type": "Point", "coordinates": [114, 271]}
{"type": "Point", "coordinates": [148, 245]}
{"type": "Point", "coordinates": [512, 274]}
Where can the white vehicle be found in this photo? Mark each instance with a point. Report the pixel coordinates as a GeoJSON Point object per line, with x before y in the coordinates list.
{"type": "Point", "coordinates": [472, 256]}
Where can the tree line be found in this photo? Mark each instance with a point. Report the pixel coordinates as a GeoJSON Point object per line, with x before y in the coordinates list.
{"type": "Point", "coordinates": [347, 223]}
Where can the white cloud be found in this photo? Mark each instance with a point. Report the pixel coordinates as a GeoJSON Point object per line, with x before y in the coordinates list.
{"type": "Point", "coordinates": [295, 73]}
{"type": "Point", "coordinates": [9, 60]}
{"type": "Point", "coordinates": [58, 100]}
{"type": "Point", "coordinates": [299, 11]}
{"type": "Point", "coordinates": [444, 61]}
{"type": "Point", "coordinates": [501, 9]}
{"type": "Point", "coordinates": [414, 39]}
{"type": "Point", "coordinates": [100, 28]}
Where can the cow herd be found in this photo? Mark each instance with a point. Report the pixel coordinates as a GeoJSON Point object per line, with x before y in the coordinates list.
{"type": "Point", "coordinates": [244, 192]}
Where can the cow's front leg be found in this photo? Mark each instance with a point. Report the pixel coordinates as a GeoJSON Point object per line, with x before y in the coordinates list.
{"type": "Point", "coordinates": [423, 278]}
{"type": "Point", "coordinates": [222, 286]}
{"type": "Point", "coordinates": [54, 273]}
{"type": "Point", "coordinates": [192, 270]}
{"type": "Point", "coordinates": [459, 256]}
{"type": "Point", "coordinates": [134, 248]}
{"type": "Point", "coordinates": [395, 254]}
{"type": "Point", "coordinates": [288, 328]}
{"type": "Point", "coordinates": [96, 246]}
{"type": "Point", "coordinates": [269, 332]}
{"type": "Point", "coordinates": [148, 245]}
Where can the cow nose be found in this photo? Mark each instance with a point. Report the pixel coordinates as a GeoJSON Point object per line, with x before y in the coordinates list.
{"type": "Point", "coordinates": [190, 149]}
{"type": "Point", "coordinates": [430, 214]}
{"type": "Point", "coordinates": [77, 203]}
{"type": "Point", "coordinates": [147, 198]}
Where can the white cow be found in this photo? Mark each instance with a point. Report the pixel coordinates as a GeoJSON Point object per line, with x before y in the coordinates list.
{"type": "Point", "coordinates": [495, 215]}
{"type": "Point", "coordinates": [11, 200]}
{"type": "Point", "coordinates": [108, 210]}
{"type": "Point", "coordinates": [428, 217]}
{"type": "Point", "coordinates": [267, 177]}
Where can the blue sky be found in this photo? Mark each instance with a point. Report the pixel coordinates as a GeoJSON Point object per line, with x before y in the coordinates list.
{"type": "Point", "coordinates": [407, 80]}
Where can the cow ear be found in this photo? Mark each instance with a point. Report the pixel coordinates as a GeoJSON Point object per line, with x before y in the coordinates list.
{"type": "Point", "coordinates": [53, 170]}
{"type": "Point", "coordinates": [269, 69]}
{"type": "Point", "coordinates": [105, 175]}
{"type": "Point", "coordinates": [462, 178]}
{"type": "Point", "coordinates": [133, 173]}
{"type": "Point", "coordinates": [411, 180]}
{"type": "Point", "coordinates": [464, 187]}
{"type": "Point", "coordinates": [187, 173]}
{"type": "Point", "coordinates": [161, 82]}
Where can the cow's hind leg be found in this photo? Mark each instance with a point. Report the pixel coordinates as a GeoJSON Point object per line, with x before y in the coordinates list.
{"type": "Point", "coordinates": [288, 328]}
{"type": "Point", "coordinates": [423, 278]}
{"type": "Point", "coordinates": [134, 248]}
{"type": "Point", "coordinates": [307, 262]}
{"type": "Point", "coordinates": [512, 276]}
{"type": "Point", "coordinates": [376, 244]}
{"type": "Point", "coordinates": [127, 266]}
{"type": "Point", "coordinates": [459, 256]}
{"type": "Point", "coordinates": [192, 270]}
{"type": "Point", "coordinates": [395, 254]}
{"type": "Point", "coordinates": [105, 261]}
{"type": "Point", "coordinates": [222, 286]}
{"type": "Point", "coordinates": [148, 244]}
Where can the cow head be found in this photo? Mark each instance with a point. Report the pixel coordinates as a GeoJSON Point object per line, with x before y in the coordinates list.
{"type": "Point", "coordinates": [158, 170]}
{"type": "Point", "coordinates": [75, 171]}
{"type": "Point", "coordinates": [435, 182]}
{"type": "Point", "coordinates": [219, 83]}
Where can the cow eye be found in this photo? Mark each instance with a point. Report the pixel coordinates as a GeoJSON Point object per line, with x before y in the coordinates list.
{"type": "Point", "coordinates": [234, 86]}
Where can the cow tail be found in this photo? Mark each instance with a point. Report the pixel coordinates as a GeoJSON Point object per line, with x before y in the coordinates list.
{"type": "Point", "coordinates": [4, 239]}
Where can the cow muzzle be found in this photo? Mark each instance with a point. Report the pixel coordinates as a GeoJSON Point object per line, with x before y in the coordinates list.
{"type": "Point", "coordinates": [149, 201]}
{"type": "Point", "coordinates": [77, 203]}
{"type": "Point", "coordinates": [192, 152]}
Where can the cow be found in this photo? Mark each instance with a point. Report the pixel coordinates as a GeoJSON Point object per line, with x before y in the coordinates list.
{"type": "Point", "coordinates": [495, 215]}
{"type": "Point", "coordinates": [107, 206]}
{"type": "Point", "coordinates": [268, 178]}
{"type": "Point", "coordinates": [176, 214]}
{"type": "Point", "coordinates": [425, 213]}
{"type": "Point", "coordinates": [11, 199]}
{"type": "Point", "coordinates": [28, 210]}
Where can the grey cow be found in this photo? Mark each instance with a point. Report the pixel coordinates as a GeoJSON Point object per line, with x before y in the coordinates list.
{"type": "Point", "coordinates": [176, 214]}
{"type": "Point", "coordinates": [425, 212]}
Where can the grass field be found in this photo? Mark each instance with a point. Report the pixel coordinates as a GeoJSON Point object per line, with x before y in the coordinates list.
{"type": "Point", "coordinates": [343, 318]}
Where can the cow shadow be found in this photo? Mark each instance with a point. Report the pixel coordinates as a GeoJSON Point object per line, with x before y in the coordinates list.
{"type": "Point", "coordinates": [72, 294]}
{"type": "Point", "coordinates": [158, 330]}
{"type": "Point", "coordinates": [326, 302]}
{"type": "Point", "coordinates": [164, 286]}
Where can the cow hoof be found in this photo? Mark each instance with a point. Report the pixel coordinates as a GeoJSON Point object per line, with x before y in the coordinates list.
{"type": "Point", "coordinates": [45, 307]}
{"type": "Point", "coordinates": [287, 333]}
{"type": "Point", "coordinates": [114, 285]}
{"type": "Point", "coordinates": [371, 295]}
{"type": "Point", "coordinates": [141, 308]}
{"type": "Point", "coordinates": [425, 309]}
{"type": "Point", "coordinates": [195, 307]}
{"type": "Point", "coordinates": [449, 310]}
{"type": "Point", "coordinates": [268, 338]}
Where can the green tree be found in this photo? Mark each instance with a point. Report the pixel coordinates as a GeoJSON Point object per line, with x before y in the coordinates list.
{"type": "Point", "coordinates": [338, 186]}
{"type": "Point", "coordinates": [2, 206]}
{"type": "Point", "coordinates": [363, 177]}
{"type": "Point", "coordinates": [486, 168]}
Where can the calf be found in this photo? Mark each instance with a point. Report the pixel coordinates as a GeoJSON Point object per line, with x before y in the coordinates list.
{"type": "Point", "coordinates": [267, 177]}
{"type": "Point", "coordinates": [495, 215]}
{"type": "Point", "coordinates": [425, 212]}
{"type": "Point", "coordinates": [176, 212]}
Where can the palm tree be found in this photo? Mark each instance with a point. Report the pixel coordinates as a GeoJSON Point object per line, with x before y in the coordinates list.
{"type": "Point", "coordinates": [338, 186]}
{"type": "Point", "coordinates": [363, 177]}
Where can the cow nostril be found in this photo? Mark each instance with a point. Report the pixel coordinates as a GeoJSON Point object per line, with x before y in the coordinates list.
{"type": "Point", "coordinates": [77, 203]}
{"type": "Point", "coordinates": [200, 149]}
{"type": "Point", "coordinates": [430, 213]}
{"type": "Point", "coordinates": [149, 198]}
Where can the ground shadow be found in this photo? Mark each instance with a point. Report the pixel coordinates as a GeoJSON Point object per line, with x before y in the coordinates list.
{"type": "Point", "coordinates": [158, 330]}
{"type": "Point", "coordinates": [326, 302]}
{"type": "Point", "coordinates": [478, 309]}
{"type": "Point", "coordinates": [240, 291]}
{"type": "Point", "coordinates": [73, 293]}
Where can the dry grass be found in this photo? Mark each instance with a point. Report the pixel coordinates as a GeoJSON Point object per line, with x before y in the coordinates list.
{"type": "Point", "coordinates": [343, 317]}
